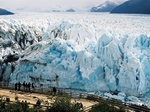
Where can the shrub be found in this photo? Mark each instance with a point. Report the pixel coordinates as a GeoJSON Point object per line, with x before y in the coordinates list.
{"type": "Point", "coordinates": [63, 104]}
{"type": "Point", "coordinates": [105, 107]}
{"type": "Point", "coordinates": [17, 107]}
{"type": "Point", "coordinates": [16, 98]}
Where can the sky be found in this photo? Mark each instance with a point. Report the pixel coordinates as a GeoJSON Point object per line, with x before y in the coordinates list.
{"type": "Point", "coordinates": [50, 4]}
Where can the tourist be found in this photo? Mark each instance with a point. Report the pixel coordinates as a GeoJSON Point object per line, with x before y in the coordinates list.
{"type": "Point", "coordinates": [33, 87]}
{"type": "Point", "coordinates": [19, 86]}
{"type": "Point", "coordinates": [54, 90]}
{"type": "Point", "coordinates": [59, 92]}
{"type": "Point", "coordinates": [16, 84]}
{"type": "Point", "coordinates": [24, 85]}
{"type": "Point", "coordinates": [29, 86]}
{"type": "Point", "coordinates": [38, 103]}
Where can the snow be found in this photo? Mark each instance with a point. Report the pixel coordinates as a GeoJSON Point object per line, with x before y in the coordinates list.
{"type": "Point", "coordinates": [88, 51]}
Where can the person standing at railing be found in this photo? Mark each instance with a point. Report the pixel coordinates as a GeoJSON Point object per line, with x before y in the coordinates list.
{"type": "Point", "coordinates": [59, 92]}
{"type": "Point", "coordinates": [33, 88]}
{"type": "Point", "coordinates": [19, 86]}
{"type": "Point", "coordinates": [54, 90]}
{"type": "Point", "coordinates": [24, 85]}
{"type": "Point", "coordinates": [29, 86]}
{"type": "Point", "coordinates": [16, 84]}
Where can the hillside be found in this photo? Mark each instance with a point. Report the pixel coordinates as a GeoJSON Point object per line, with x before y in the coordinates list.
{"type": "Point", "coordinates": [70, 10]}
{"type": "Point", "coordinates": [105, 7]}
{"type": "Point", "coordinates": [5, 12]}
{"type": "Point", "coordinates": [133, 6]}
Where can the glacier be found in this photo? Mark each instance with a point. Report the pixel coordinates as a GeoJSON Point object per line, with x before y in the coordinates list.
{"type": "Point", "coordinates": [85, 51]}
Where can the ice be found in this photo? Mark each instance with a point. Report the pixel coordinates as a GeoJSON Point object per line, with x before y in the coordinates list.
{"type": "Point", "coordinates": [91, 52]}
{"type": "Point", "coordinates": [120, 96]}
{"type": "Point", "coordinates": [134, 100]}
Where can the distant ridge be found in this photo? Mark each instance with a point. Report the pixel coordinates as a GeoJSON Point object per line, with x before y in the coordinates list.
{"type": "Point", "coordinates": [70, 10]}
{"type": "Point", "coordinates": [105, 7]}
{"type": "Point", "coordinates": [133, 6]}
{"type": "Point", "coordinates": [5, 12]}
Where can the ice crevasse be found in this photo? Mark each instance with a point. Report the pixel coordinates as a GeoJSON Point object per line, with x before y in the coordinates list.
{"type": "Point", "coordinates": [85, 54]}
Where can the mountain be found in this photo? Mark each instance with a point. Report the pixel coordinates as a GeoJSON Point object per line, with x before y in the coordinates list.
{"type": "Point", "coordinates": [5, 12]}
{"type": "Point", "coordinates": [133, 6]}
{"type": "Point", "coordinates": [105, 7]}
{"type": "Point", "coordinates": [70, 10]}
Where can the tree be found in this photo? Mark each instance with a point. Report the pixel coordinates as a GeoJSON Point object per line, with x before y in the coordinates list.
{"type": "Point", "coordinates": [63, 104]}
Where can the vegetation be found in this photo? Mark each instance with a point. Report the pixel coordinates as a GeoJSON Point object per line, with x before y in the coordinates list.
{"type": "Point", "coordinates": [16, 98]}
{"type": "Point", "coordinates": [17, 107]}
{"type": "Point", "coordinates": [60, 104]}
{"type": "Point", "coordinates": [63, 104]}
{"type": "Point", "coordinates": [105, 107]}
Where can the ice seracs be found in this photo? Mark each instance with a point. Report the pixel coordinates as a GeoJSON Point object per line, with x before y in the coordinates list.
{"type": "Point", "coordinates": [88, 52]}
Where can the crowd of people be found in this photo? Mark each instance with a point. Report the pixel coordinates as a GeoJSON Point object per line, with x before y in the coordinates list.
{"type": "Point", "coordinates": [26, 86]}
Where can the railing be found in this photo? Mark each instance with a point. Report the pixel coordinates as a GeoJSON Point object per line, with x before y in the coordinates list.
{"type": "Point", "coordinates": [74, 93]}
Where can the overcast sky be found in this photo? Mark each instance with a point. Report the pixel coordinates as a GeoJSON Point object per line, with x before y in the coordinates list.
{"type": "Point", "coordinates": [47, 4]}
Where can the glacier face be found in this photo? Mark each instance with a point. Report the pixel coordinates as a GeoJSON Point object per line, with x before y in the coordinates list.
{"type": "Point", "coordinates": [92, 52]}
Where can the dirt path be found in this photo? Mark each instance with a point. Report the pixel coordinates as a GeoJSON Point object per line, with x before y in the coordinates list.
{"type": "Point", "coordinates": [33, 97]}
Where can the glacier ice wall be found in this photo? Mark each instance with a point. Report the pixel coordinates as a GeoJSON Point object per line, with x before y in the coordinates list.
{"type": "Point", "coordinates": [88, 52]}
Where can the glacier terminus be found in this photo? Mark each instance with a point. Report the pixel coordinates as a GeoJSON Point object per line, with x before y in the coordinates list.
{"type": "Point", "coordinates": [85, 51]}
